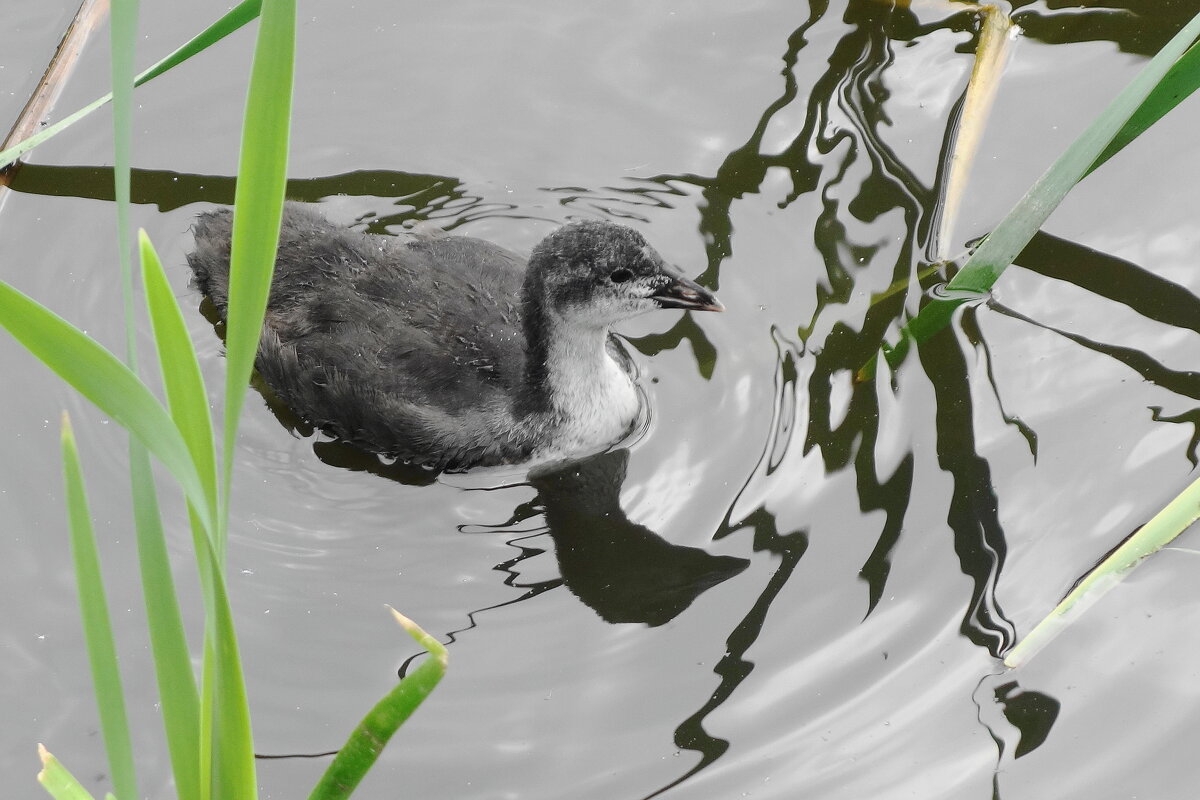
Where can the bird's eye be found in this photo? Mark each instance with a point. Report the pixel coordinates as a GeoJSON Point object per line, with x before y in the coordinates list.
{"type": "Point", "coordinates": [620, 275]}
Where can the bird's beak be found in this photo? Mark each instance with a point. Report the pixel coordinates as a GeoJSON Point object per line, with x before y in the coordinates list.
{"type": "Point", "coordinates": [683, 292]}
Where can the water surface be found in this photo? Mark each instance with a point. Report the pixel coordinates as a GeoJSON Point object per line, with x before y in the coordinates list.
{"type": "Point", "coordinates": [792, 585]}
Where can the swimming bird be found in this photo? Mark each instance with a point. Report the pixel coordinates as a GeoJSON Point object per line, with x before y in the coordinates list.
{"type": "Point", "coordinates": [450, 351]}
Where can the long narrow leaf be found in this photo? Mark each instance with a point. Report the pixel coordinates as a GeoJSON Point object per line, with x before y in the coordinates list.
{"type": "Point", "coordinates": [178, 696]}
{"type": "Point", "coordinates": [258, 207]}
{"type": "Point", "coordinates": [233, 773]}
{"type": "Point", "coordinates": [207, 677]}
{"type": "Point", "coordinates": [1167, 524]}
{"type": "Point", "coordinates": [100, 377]}
{"type": "Point", "coordinates": [238, 16]}
{"type": "Point", "coordinates": [187, 397]}
{"type": "Point", "coordinates": [97, 627]}
{"type": "Point", "coordinates": [226, 750]}
{"type": "Point", "coordinates": [367, 741]}
{"type": "Point", "coordinates": [57, 779]}
{"type": "Point", "coordinates": [1005, 243]}
{"type": "Point", "coordinates": [1176, 86]}
{"type": "Point", "coordinates": [123, 35]}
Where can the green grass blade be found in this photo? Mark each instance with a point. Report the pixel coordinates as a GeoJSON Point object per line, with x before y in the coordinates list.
{"type": "Point", "coordinates": [228, 751]}
{"type": "Point", "coordinates": [179, 700]}
{"type": "Point", "coordinates": [1167, 524]}
{"type": "Point", "coordinates": [236, 18]}
{"type": "Point", "coordinates": [100, 377]}
{"type": "Point", "coordinates": [258, 207]}
{"type": "Point", "coordinates": [233, 20]}
{"type": "Point", "coordinates": [206, 685]}
{"type": "Point", "coordinates": [1180, 81]}
{"type": "Point", "coordinates": [178, 696]}
{"type": "Point", "coordinates": [123, 37]}
{"type": "Point", "coordinates": [1005, 243]}
{"type": "Point", "coordinates": [372, 734]}
{"type": "Point", "coordinates": [97, 628]}
{"type": "Point", "coordinates": [187, 397]}
{"type": "Point", "coordinates": [58, 781]}
{"type": "Point", "coordinates": [233, 773]}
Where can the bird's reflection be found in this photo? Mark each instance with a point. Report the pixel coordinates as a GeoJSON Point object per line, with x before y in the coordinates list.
{"type": "Point", "coordinates": [622, 570]}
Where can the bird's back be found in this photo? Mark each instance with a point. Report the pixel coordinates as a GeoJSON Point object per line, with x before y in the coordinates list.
{"type": "Point", "coordinates": [407, 346]}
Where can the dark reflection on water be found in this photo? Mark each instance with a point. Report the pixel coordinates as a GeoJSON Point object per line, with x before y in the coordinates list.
{"type": "Point", "coordinates": [1112, 278]}
{"type": "Point", "coordinates": [622, 570]}
{"type": "Point", "coordinates": [1126, 23]}
{"type": "Point", "coordinates": [1135, 287]}
{"type": "Point", "coordinates": [974, 514]}
{"type": "Point", "coordinates": [844, 108]}
{"type": "Point", "coordinates": [347, 456]}
{"type": "Point", "coordinates": [734, 667]}
{"type": "Point", "coordinates": [686, 329]}
{"type": "Point", "coordinates": [1184, 383]}
{"type": "Point", "coordinates": [416, 197]}
{"type": "Point", "coordinates": [1030, 712]}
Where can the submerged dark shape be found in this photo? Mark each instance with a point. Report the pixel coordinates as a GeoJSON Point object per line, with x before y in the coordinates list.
{"type": "Point", "coordinates": [449, 351]}
{"type": "Point", "coordinates": [624, 571]}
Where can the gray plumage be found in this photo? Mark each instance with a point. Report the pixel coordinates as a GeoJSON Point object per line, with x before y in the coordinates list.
{"type": "Point", "coordinates": [446, 350]}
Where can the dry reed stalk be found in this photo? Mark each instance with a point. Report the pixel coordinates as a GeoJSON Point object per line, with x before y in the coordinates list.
{"type": "Point", "coordinates": [36, 111]}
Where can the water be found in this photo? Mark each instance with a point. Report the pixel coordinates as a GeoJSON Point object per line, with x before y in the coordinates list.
{"type": "Point", "coordinates": [792, 585]}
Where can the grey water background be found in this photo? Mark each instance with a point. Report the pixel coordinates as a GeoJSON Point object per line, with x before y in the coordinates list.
{"type": "Point", "coordinates": [789, 585]}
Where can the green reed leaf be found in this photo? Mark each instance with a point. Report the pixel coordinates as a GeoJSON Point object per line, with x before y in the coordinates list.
{"type": "Point", "coordinates": [123, 38]}
{"type": "Point", "coordinates": [187, 400]}
{"type": "Point", "coordinates": [226, 727]}
{"type": "Point", "coordinates": [177, 692]}
{"type": "Point", "coordinates": [367, 741]}
{"type": "Point", "coordinates": [187, 397]}
{"type": "Point", "coordinates": [232, 745]}
{"type": "Point", "coordinates": [97, 627]}
{"type": "Point", "coordinates": [58, 781]}
{"type": "Point", "coordinates": [258, 208]}
{"type": "Point", "coordinates": [178, 695]}
{"type": "Point", "coordinates": [1176, 86]}
{"type": "Point", "coordinates": [1167, 524]}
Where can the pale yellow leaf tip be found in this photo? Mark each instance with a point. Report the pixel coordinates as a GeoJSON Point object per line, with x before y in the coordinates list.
{"type": "Point", "coordinates": [404, 621]}
{"type": "Point", "coordinates": [46, 758]}
{"type": "Point", "coordinates": [431, 644]}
